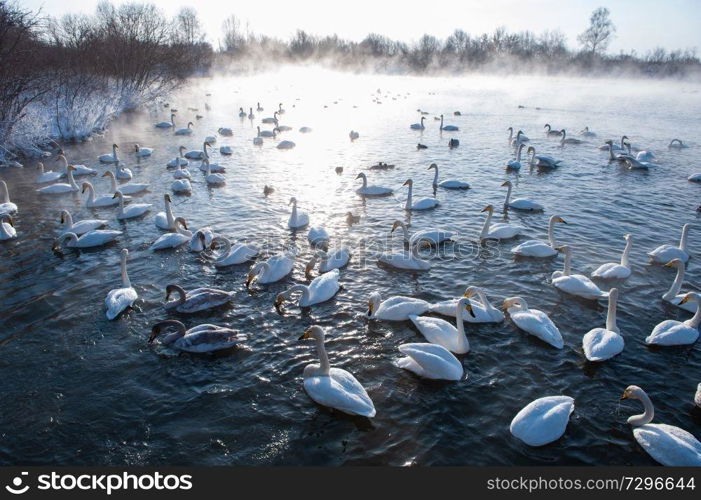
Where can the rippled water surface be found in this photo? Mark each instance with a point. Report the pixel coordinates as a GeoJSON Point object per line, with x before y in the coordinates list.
{"type": "Point", "coordinates": [79, 389]}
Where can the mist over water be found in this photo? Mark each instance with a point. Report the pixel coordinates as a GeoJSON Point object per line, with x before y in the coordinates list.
{"type": "Point", "coordinates": [83, 390]}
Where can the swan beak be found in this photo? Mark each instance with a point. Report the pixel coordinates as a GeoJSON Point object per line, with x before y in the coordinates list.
{"type": "Point", "coordinates": [63, 218]}
{"type": "Point", "coordinates": [506, 183]}
{"type": "Point", "coordinates": [305, 335]}
{"type": "Point", "coordinates": [115, 195]}
{"type": "Point", "coordinates": [468, 308]}
{"type": "Point", "coordinates": [394, 226]}
{"type": "Point", "coordinates": [105, 174]}
{"type": "Point", "coordinates": [684, 300]}
{"type": "Point", "coordinates": [358, 176]}
{"type": "Point", "coordinates": [9, 221]}
{"type": "Point", "coordinates": [625, 396]}
{"type": "Point", "coordinates": [406, 183]}
{"type": "Point", "coordinates": [562, 220]}
{"type": "Point", "coordinates": [154, 333]}
{"type": "Point", "coordinates": [249, 279]}
{"type": "Point", "coordinates": [560, 249]}
{"type": "Point", "coordinates": [469, 294]}
{"type": "Point", "coordinates": [486, 209]}
{"type": "Point", "coordinates": [669, 264]}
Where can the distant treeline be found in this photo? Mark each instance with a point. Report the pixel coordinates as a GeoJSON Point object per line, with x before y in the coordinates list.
{"type": "Point", "coordinates": [64, 79]}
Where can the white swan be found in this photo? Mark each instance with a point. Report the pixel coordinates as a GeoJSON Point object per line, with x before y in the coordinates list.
{"type": "Point", "coordinates": [518, 139]}
{"type": "Point", "coordinates": [587, 133]}
{"type": "Point", "coordinates": [180, 160]}
{"type": "Point", "coordinates": [185, 131]}
{"type": "Point", "coordinates": [298, 219]}
{"type": "Point", "coordinates": [110, 158]}
{"type": "Point", "coordinates": [600, 344]}
{"type": "Point", "coordinates": [430, 361]}
{"type": "Point", "coordinates": [418, 126]}
{"type": "Point", "coordinates": [397, 308]}
{"type": "Point", "coordinates": [321, 289]}
{"type": "Point", "coordinates": [441, 332]}
{"type": "Point", "coordinates": [225, 131]}
{"type": "Point", "coordinates": [666, 253]}
{"type": "Point", "coordinates": [694, 177]}
{"type": "Point", "coordinates": [667, 444]}
{"type": "Point", "coordinates": [430, 236]}
{"type": "Point", "coordinates": [539, 248]}
{"type": "Point", "coordinates": [409, 261]}
{"type": "Point", "coordinates": [542, 161]}
{"type": "Point", "coordinates": [133, 210]}
{"type": "Point", "coordinates": [516, 164]}
{"type": "Point", "coordinates": [200, 339]}
{"type": "Point", "coordinates": [178, 238]}
{"type": "Point", "coordinates": [212, 167]}
{"type": "Point", "coordinates": [318, 237]}
{"type": "Point", "coordinates": [499, 231]}
{"type": "Point", "coordinates": [232, 255]}
{"type": "Point", "coordinates": [327, 261]}
{"type": "Point", "coordinates": [645, 156]}
{"type": "Point", "coordinates": [258, 107]}
{"type": "Point", "coordinates": [672, 295]}
{"type": "Point", "coordinates": [267, 133]}
{"type": "Point", "coordinates": [334, 387]}
{"type": "Point", "coordinates": [7, 228]}
{"type": "Point", "coordinates": [482, 310]}
{"type": "Point", "coordinates": [575, 284]}
{"type": "Point", "coordinates": [202, 239]}
{"type": "Point", "coordinates": [672, 332]}
{"type": "Point", "coordinates": [102, 201]}
{"type": "Point", "coordinates": [270, 119]}
{"type": "Point", "coordinates": [181, 173]}
{"type": "Point", "coordinates": [614, 270]}
{"type": "Point", "coordinates": [422, 204]}
{"type": "Point", "coordinates": [280, 109]}
{"type": "Point", "coordinates": [118, 299]}
{"type": "Point", "coordinates": [78, 170]}
{"type": "Point", "coordinates": [520, 203]}
{"type": "Point", "coordinates": [142, 152]}
{"type": "Point", "coordinates": [542, 421]}
{"type": "Point", "coordinates": [533, 321]}
{"type": "Point", "coordinates": [226, 150]}
{"type": "Point", "coordinates": [610, 145]}
{"type": "Point", "coordinates": [166, 220]}
{"type": "Point", "coordinates": [127, 188]}
{"type": "Point", "coordinates": [6, 206]}
{"type": "Point", "coordinates": [47, 176]}
{"type": "Point", "coordinates": [165, 124]}
{"type": "Point", "coordinates": [180, 186]}
{"type": "Point", "coordinates": [269, 271]}
{"type": "Point", "coordinates": [81, 227]}
{"type": "Point", "coordinates": [196, 300]}
{"type": "Point", "coordinates": [213, 179]}
{"type": "Point", "coordinates": [448, 128]}
{"type": "Point", "coordinates": [58, 188]}
{"type": "Point", "coordinates": [447, 184]}
{"type": "Point", "coordinates": [198, 154]}
{"type": "Point", "coordinates": [95, 238]}
{"type": "Point", "coordinates": [366, 190]}
{"type": "Point", "coordinates": [122, 173]}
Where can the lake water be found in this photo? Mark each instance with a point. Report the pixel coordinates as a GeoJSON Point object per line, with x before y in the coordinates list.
{"type": "Point", "coordinates": [79, 389]}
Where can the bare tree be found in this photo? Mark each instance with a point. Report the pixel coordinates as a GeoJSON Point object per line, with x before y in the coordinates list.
{"type": "Point", "coordinates": [597, 36]}
{"type": "Point", "coordinates": [234, 39]}
{"type": "Point", "coordinates": [188, 29]}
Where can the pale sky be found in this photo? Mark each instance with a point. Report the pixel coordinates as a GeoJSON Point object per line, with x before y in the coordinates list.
{"type": "Point", "coordinates": [642, 24]}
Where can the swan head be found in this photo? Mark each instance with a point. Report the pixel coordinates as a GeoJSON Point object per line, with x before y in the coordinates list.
{"type": "Point", "coordinates": [514, 302]}
{"type": "Point", "coordinates": [313, 332]}
{"type": "Point", "coordinates": [166, 198]}
{"type": "Point", "coordinates": [115, 146]}
{"type": "Point", "coordinates": [691, 297]}
{"type": "Point", "coordinates": [293, 201]}
{"type": "Point", "coordinates": [179, 220]}
{"type": "Point", "coordinates": [488, 208]}
{"type": "Point", "coordinates": [408, 182]}
{"type": "Point", "coordinates": [70, 168]}
{"type": "Point", "coordinates": [182, 148]}
{"type": "Point", "coordinates": [373, 303]}
{"type": "Point", "coordinates": [557, 218]}
{"type": "Point", "coordinates": [565, 249]}
{"type": "Point", "coordinates": [675, 263]}
{"type": "Point", "coordinates": [547, 125]}
{"type": "Point", "coordinates": [510, 130]}
{"type": "Point", "coordinates": [136, 148]}
{"type": "Point", "coordinates": [40, 166]}
{"type": "Point", "coordinates": [64, 216]}
{"type": "Point", "coordinates": [506, 184]}
{"type": "Point", "coordinates": [279, 300]}
{"type": "Point", "coordinates": [86, 185]}
{"type": "Point", "coordinates": [361, 175]}
{"type": "Point", "coordinates": [108, 173]}
{"type": "Point", "coordinates": [465, 302]}
{"type": "Point", "coordinates": [118, 194]}
{"type": "Point", "coordinates": [530, 150]}
{"type": "Point", "coordinates": [628, 236]}
{"type": "Point", "coordinates": [470, 291]}
{"type": "Point", "coordinates": [633, 392]}
{"type": "Point", "coordinates": [60, 157]}
{"type": "Point", "coordinates": [432, 165]}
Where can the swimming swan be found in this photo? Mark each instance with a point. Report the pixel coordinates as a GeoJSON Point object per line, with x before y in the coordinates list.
{"type": "Point", "coordinates": [131, 211]}
{"type": "Point", "coordinates": [430, 361]}
{"type": "Point", "coordinates": [447, 184]}
{"type": "Point", "coordinates": [422, 204]}
{"type": "Point", "coordinates": [178, 238]}
{"type": "Point", "coordinates": [196, 300]}
{"type": "Point", "coordinates": [269, 271]}
{"type": "Point", "coordinates": [575, 284]}
{"type": "Point", "coordinates": [334, 387]}
{"type": "Point", "coordinates": [520, 203]}
{"type": "Point", "coordinates": [110, 158]}
{"type": "Point", "coordinates": [533, 321]}
{"type": "Point", "coordinates": [539, 248]}
{"type": "Point", "coordinates": [166, 220]}
{"type": "Point", "coordinates": [430, 236]}
{"type": "Point", "coordinates": [81, 227]}
{"type": "Point", "coordinates": [366, 190]}
{"type": "Point", "coordinates": [672, 332]}
{"type": "Point", "coordinates": [482, 310]}
{"type": "Point", "coordinates": [441, 332]}
{"type": "Point", "coordinates": [397, 308]}
{"type": "Point", "coordinates": [614, 270]}
{"type": "Point", "coordinates": [58, 188]}
{"type": "Point", "coordinates": [667, 444]}
{"type": "Point", "coordinates": [7, 228]}
{"type": "Point", "coordinates": [673, 296]}
{"type": "Point", "coordinates": [297, 219]}
{"type": "Point", "coordinates": [199, 339]}
{"type": "Point", "coordinates": [127, 188]}
{"type": "Point", "coordinates": [542, 421]}
{"type": "Point", "coordinates": [95, 238]}
{"type": "Point", "coordinates": [499, 231]}
{"type": "Point", "coordinates": [667, 252]}
{"type": "Point", "coordinates": [321, 289]}
{"type": "Point", "coordinates": [600, 344]}
{"type": "Point", "coordinates": [118, 299]}
{"type": "Point", "coordinates": [232, 255]}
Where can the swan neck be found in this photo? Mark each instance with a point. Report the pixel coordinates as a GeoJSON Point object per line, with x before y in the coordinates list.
{"type": "Point", "coordinates": [685, 237]}
{"type": "Point", "coordinates": [611, 314]}
{"type": "Point", "coordinates": [487, 222]}
{"type": "Point", "coordinates": [551, 233]}
{"type": "Point", "coordinates": [518, 153]}
{"type": "Point", "coordinates": [125, 277]}
{"type": "Point", "coordinates": [324, 365]}
{"type": "Point", "coordinates": [71, 180]}
{"type": "Point", "coordinates": [484, 300]}
{"type": "Point", "coordinates": [676, 284]}
{"type": "Point", "coordinates": [508, 194]}
{"type": "Point", "coordinates": [169, 214]}
{"type": "Point", "coordinates": [408, 198]}
{"type": "Point", "coordinates": [113, 182]}
{"type": "Point", "coordinates": [695, 320]}
{"type": "Point", "coordinates": [626, 252]}
{"type": "Point", "coordinates": [568, 267]}
{"type": "Point", "coordinates": [647, 416]}
{"type": "Point", "coordinates": [226, 246]}
{"type": "Point", "coordinates": [4, 194]}
{"type": "Point", "coordinates": [435, 177]}
{"type": "Point", "coordinates": [464, 344]}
